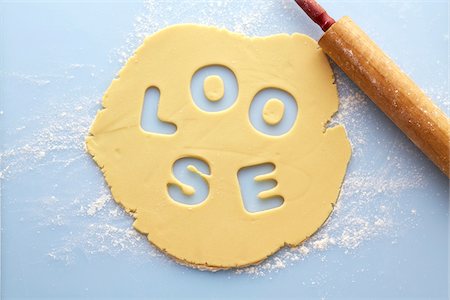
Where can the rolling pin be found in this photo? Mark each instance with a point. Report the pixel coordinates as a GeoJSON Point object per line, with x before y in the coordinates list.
{"type": "Point", "coordinates": [385, 83]}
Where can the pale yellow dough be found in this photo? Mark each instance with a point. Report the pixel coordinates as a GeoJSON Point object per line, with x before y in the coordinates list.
{"type": "Point", "coordinates": [273, 111]}
{"type": "Point", "coordinates": [213, 88]}
{"type": "Point", "coordinates": [310, 160]}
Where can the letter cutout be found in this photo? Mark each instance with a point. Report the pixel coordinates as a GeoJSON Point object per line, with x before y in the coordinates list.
{"type": "Point", "coordinates": [190, 182]}
{"type": "Point", "coordinates": [273, 111]}
{"type": "Point", "coordinates": [149, 116]}
{"type": "Point", "coordinates": [258, 188]}
{"type": "Point", "coordinates": [200, 84]}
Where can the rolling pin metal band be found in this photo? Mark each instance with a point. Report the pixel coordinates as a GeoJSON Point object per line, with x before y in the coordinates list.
{"type": "Point", "coordinates": [390, 88]}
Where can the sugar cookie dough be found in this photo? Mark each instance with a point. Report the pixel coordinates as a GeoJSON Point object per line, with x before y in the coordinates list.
{"type": "Point", "coordinates": [273, 111]}
{"type": "Point", "coordinates": [213, 88]}
{"type": "Point", "coordinates": [309, 159]}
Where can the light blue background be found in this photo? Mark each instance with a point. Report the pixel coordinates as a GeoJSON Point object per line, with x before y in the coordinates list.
{"type": "Point", "coordinates": [44, 38]}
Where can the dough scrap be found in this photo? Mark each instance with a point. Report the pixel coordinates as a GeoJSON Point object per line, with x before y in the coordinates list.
{"type": "Point", "coordinates": [310, 160]}
{"type": "Point", "coordinates": [213, 88]}
{"type": "Point", "coordinates": [273, 111]}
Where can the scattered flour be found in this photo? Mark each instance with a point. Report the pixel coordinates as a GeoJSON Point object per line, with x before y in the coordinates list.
{"type": "Point", "coordinates": [92, 223]}
{"type": "Point", "coordinates": [98, 204]}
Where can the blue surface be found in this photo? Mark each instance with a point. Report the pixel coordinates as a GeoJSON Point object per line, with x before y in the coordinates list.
{"type": "Point", "coordinates": [56, 61]}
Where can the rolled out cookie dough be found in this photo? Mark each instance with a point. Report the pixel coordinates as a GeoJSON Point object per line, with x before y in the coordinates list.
{"type": "Point", "coordinates": [309, 160]}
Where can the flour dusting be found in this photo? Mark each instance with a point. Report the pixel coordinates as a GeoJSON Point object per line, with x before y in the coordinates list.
{"type": "Point", "coordinates": [92, 223]}
{"type": "Point", "coordinates": [98, 204]}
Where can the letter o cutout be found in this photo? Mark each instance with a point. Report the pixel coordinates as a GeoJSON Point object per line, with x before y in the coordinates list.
{"type": "Point", "coordinates": [258, 107]}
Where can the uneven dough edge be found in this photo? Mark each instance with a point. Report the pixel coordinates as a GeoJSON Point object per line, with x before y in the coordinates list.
{"type": "Point", "coordinates": [91, 148]}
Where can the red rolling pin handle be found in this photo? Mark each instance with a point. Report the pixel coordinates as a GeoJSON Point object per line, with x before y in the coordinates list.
{"type": "Point", "coordinates": [316, 13]}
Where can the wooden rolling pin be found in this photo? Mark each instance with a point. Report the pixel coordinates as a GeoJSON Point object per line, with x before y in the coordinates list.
{"type": "Point", "coordinates": [385, 83]}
